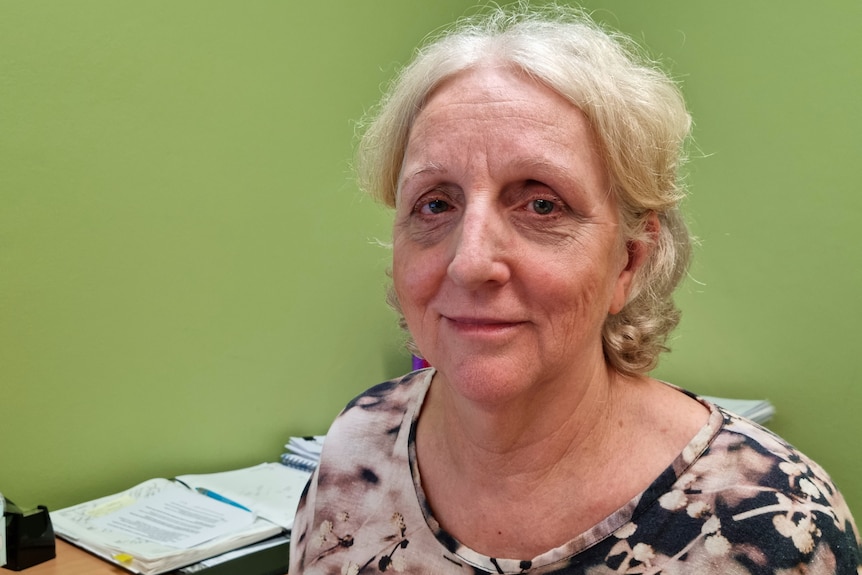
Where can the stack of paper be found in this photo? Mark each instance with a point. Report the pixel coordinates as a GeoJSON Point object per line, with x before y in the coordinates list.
{"type": "Point", "coordinates": [268, 557]}
{"type": "Point", "coordinates": [270, 490]}
{"type": "Point", "coordinates": [158, 526]}
{"type": "Point", "coordinates": [303, 452]}
{"type": "Point", "coordinates": [161, 525]}
{"type": "Point", "coordinates": [758, 410]}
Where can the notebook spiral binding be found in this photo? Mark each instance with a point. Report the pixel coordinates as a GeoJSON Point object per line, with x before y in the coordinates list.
{"type": "Point", "coordinates": [298, 462]}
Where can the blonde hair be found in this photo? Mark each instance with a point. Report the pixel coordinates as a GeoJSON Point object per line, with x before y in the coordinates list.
{"type": "Point", "coordinates": [639, 118]}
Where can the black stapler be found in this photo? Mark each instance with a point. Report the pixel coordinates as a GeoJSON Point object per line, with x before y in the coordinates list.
{"type": "Point", "coordinates": [29, 537]}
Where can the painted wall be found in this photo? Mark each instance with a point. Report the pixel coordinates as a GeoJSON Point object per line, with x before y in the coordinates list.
{"type": "Point", "coordinates": [188, 275]}
{"type": "Point", "coordinates": [771, 308]}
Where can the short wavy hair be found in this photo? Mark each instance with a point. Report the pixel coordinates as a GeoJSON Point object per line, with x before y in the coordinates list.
{"type": "Point", "coordinates": [638, 115]}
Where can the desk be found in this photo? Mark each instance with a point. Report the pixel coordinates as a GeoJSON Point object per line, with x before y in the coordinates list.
{"type": "Point", "coordinates": [73, 561]}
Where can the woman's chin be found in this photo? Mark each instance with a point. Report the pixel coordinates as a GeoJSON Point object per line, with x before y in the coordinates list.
{"type": "Point", "coordinates": [485, 382]}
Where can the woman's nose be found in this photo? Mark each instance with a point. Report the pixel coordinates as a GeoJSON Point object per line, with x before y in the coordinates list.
{"type": "Point", "coordinates": [479, 251]}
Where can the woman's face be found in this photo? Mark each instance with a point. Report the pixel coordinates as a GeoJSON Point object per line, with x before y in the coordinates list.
{"type": "Point", "coordinates": [507, 252]}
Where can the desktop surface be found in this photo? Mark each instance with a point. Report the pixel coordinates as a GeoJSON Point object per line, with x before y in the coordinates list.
{"type": "Point", "coordinates": [73, 561]}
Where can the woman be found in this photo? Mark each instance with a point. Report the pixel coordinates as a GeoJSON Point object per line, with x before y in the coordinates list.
{"type": "Point", "coordinates": [531, 161]}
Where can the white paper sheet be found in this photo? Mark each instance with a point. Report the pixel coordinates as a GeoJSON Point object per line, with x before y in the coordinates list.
{"type": "Point", "coordinates": [271, 490]}
{"type": "Point", "coordinates": [176, 517]}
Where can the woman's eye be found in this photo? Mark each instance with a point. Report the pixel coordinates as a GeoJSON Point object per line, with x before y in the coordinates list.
{"type": "Point", "coordinates": [542, 206]}
{"type": "Point", "coordinates": [435, 207]}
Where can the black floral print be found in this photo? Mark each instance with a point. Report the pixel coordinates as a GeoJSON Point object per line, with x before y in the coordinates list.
{"type": "Point", "coordinates": [737, 500]}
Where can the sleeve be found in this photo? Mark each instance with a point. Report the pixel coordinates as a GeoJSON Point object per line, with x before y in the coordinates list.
{"type": "Point", "coordinates": [302, 525]}
{"type": "Point", "coordinates": [793, 512]}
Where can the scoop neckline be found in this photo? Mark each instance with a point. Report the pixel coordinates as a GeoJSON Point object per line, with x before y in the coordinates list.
{"type": "Point", "coordinates": [591, 537]}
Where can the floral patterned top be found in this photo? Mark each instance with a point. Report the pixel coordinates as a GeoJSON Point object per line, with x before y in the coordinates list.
{"type": "Point", "coordinates": [737, 500]}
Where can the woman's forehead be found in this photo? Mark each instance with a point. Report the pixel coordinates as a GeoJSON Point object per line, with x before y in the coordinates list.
{"type": "Point", "coordinates": [502, 119]}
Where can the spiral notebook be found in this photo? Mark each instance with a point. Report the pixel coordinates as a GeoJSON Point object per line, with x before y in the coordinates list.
{"type": "Point", "coordinates": [298, 462]}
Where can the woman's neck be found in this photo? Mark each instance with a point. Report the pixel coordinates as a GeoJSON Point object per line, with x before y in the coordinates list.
{"type": "Point", "coordinates": [573, 457]}
{"type": "Point", "coordinates": [558, 421]}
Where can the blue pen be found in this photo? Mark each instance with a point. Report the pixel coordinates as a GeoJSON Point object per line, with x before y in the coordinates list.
{"type": "Point", "coordinates": [221, 498]}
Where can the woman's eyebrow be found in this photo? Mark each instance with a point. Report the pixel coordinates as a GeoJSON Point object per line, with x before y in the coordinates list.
{"type": "Point", "coordinates": [424, 169]}
{"type": "Point", "coordinates": [405, 178]}
{"type": "Point", "coordinates": [543, 171]}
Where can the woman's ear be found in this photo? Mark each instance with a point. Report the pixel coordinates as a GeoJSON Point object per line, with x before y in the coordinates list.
{"type": "Point", "coordinates": [638, 252]}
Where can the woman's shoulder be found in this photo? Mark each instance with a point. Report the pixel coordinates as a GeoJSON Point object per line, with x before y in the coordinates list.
{"type": "Point", "coordinates": [362, 490]}
{"type": "Point", "coordinates": [392, 393]}
{"type": "Point", "coordinates": [754, 491]}
{"type": "Point", "coordinates": [749, 452]}
{"type": "Point", "coordinates": [749, 467]}
{"type": "Point", "coordinates": [374, 419]}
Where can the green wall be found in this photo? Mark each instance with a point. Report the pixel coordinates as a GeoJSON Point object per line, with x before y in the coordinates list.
{"type": "Point", "coordinates": [188, 275]}
{"type": "Point", "coordinates": [772, 306]}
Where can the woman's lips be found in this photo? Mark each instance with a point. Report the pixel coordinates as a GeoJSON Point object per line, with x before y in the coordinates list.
{"type": "Point", "coordinates": [480, 325]}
